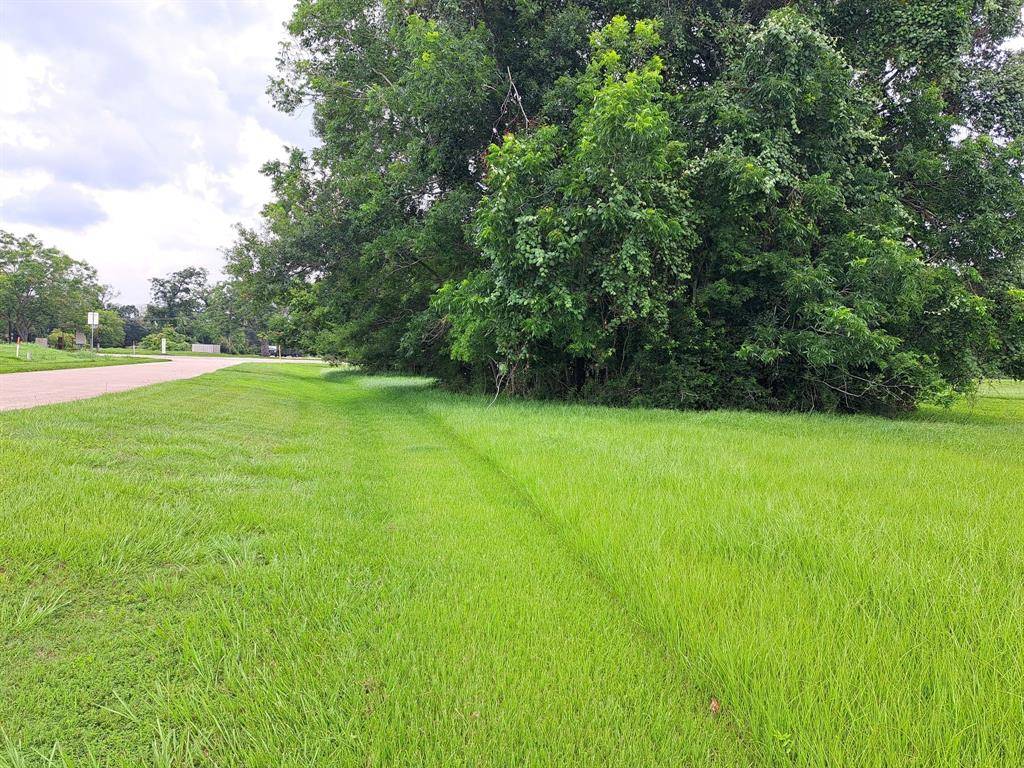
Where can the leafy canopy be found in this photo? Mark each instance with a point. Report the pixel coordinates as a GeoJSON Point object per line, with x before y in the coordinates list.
{"type": "Point", "coordinates": [726, 202]}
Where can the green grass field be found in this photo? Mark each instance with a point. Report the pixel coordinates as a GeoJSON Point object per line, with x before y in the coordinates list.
{"type": "Point", "coordinates": [44, 359]}
{"type": "Point", "coordinates": [290, 566]}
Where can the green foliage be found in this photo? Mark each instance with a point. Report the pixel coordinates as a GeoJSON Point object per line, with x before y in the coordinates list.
{"type": "Point", "coordinates": [178, 299]}
{"type": "Point", "coordinates": [235, 313]}
{"type": "Point", "coordinates": [134, 324]}
{"type": "Point", "coordinates": [805, 269]}
{"type": "Point", "coordinates": [60, 339]}
{"type": "Point", "coordinates": [726, 204]}
{"type": "Point", "coordinates": [1009, 319]}
{"type": "Point", "coordinates": [771, 271]}
{"type": "Point", "coordinates": [110, 332]}
{"type": "Point", "coordinates": [586, 232]}
{"type": "Point", "coordinates": [176, 342]}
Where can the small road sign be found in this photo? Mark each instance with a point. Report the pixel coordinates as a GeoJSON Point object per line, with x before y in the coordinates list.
{"type": "Point", "coordinates": [94, 320]}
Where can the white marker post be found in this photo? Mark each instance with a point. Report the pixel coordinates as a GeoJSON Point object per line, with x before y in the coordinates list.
{"type": "Point", "coordinates": [163, 345]}
{"type": "Point", "coordinates": [94, 320]}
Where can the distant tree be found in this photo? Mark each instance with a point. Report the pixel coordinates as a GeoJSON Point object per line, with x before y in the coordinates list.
{"type": "Point", "coordinates": [111, 331]}
{"type": "Point", "coordinates": [178, 299]}
{"type": "Point", "coordinates": [42, 288]}
{"type": "Point", "coordinates": [135, 326]}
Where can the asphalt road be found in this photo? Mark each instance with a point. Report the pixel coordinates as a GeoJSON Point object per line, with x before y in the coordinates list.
{"type": "Point", "coordinates": [27, 390]}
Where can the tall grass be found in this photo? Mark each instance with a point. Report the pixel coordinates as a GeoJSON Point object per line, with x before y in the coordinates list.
{"type": "Point", "coordinates": [278, 566]}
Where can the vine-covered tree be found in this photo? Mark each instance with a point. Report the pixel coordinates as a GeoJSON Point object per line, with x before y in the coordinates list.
{"type": "Point", "coordinates": [768, 204]}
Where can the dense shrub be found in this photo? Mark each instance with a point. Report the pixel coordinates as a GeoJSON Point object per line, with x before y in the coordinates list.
{"type": "Point", "coordinates": [60, 339]}
{"type": "Point", "coordinates": [772, 270]}
{"type": "Point", "coordinates": [175, 341]}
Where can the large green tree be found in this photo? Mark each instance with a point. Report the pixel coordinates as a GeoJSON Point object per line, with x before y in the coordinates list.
{"type": "Point", "coordinates": [42, 288]}
{"type": "Point", "coordinates": [111, 330]}
{"type": "Point", "coordinates": [813, 207]}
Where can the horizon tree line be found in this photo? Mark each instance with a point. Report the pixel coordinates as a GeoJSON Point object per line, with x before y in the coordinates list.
{"type": "Point", "coordinates": [46, 293]}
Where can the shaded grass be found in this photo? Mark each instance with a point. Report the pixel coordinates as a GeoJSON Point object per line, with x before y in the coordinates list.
{"type": "Point", "coordinates": [45, 359]}
{"type": "Point", "coordinates": [270, 566]}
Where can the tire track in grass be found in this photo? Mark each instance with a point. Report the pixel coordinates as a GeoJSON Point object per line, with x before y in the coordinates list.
{"type": "Point", "coordinates": [506, 496]}
{"type": "Point", "coordinates": [525, 499]}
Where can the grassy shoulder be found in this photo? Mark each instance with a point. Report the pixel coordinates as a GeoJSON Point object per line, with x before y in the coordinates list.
{"type": "Point", "coordinates": [140, 351]}
{"type": "Point", "coordinates": [282, 565]}
{"type": "Point", "coordinates": [36, 358]}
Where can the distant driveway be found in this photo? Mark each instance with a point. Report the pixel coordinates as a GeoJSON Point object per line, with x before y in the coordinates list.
{"type": "Point", "coordinates": [27, 390]}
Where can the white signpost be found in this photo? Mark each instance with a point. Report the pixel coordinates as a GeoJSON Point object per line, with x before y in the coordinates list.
{"type": "Point", "coordinates": [94, 320]}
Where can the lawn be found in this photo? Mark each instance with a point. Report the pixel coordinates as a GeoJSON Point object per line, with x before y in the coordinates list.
{"type": "Point", "coordinates": [45, 359]}
{"type": "Point", "coordinates": [291, 566]}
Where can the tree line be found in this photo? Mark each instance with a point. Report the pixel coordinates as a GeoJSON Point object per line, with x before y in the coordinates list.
{"type": "Point", "coordinates": [753, 203]}
{"type": "Point", "coordinates": [46, 293]}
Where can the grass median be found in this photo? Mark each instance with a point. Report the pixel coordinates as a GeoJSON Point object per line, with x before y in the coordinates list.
{"type": "Point", "coordinates": [32, 357]}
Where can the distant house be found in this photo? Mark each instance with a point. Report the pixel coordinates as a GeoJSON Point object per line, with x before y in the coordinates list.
{"type": "Point", "coordinates": [80, 340]}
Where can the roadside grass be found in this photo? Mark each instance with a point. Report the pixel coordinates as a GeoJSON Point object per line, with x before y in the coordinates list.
{"type": "Point", "coordinates": [290, 566]}
{"type": "Point", "coordinates": [140, 351]}
{"type": "Point", "coordinates": [45, 359]}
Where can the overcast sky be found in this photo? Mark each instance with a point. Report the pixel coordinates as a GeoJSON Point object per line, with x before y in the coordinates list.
{"type": "Point", "coordinates": [132, 132]}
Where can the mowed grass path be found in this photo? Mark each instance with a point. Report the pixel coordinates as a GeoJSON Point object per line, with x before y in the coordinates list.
{"type": "Point", "coordinates": [282, 566]}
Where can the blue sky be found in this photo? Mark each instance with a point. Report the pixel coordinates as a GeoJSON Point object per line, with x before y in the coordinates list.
{"type": "Point", "coordinates": [132, 132]}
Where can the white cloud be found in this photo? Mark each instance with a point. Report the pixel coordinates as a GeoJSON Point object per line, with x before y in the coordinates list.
{"type": "Point", "coordinates": [155, 113]}
{"type": "Point", "coordinates": [26, 82]}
